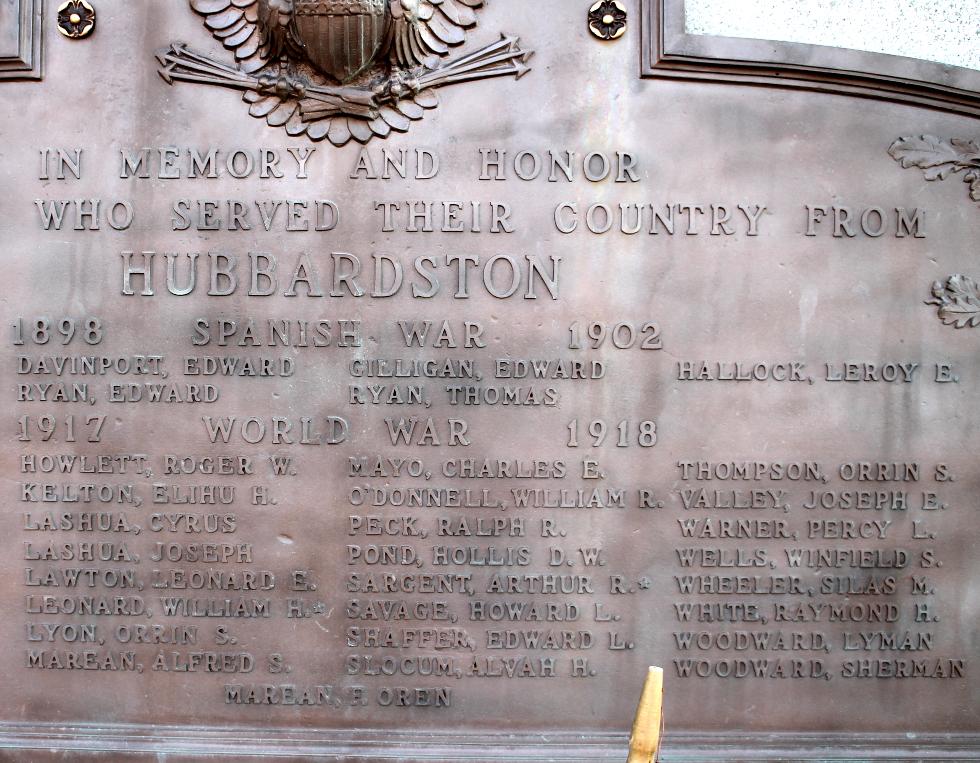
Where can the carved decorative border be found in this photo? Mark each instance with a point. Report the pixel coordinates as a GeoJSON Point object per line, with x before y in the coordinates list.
{"type": "Point", "coordinates": [667, 51]}
{"type": "Point", "coordinates": [526, 747]}
{"type": "Point", "coordinates": [25, 64]}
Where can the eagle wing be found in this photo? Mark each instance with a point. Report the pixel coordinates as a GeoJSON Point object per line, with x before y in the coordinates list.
{"type": "Point", "coordinates": [423, 31]}
{"type": "Point", "coordinates": [258, 31]}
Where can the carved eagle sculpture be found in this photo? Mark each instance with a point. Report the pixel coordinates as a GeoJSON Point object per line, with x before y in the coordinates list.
{"type": "Point", "coordinates": [341, 69]}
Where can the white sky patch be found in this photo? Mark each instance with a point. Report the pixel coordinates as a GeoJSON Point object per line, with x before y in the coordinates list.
{"type": "Point", "coordinates": [945, 31]}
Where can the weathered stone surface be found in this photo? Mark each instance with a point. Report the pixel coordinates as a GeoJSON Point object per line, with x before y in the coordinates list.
{"type": "Point", "coordinates": [622, 372]}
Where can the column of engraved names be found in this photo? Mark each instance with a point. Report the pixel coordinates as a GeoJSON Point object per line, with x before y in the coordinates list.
{"type": "Point", "coordinates": [76, 498]}
{"type": "Point", "coordinates": [800, 570]}
{"type": "Point", "coordinates": [463, 565]}
{"type": "Point", "coordinates": [132, 555]}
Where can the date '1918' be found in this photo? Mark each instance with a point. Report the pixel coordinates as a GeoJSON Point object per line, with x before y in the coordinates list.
{"type": "Point", "coordinates": [644, 433]}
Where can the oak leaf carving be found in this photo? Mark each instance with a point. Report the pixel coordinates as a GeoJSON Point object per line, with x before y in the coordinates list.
{"type": "Point", "coordinates": [958, 300]}
{"type": "Point", "coordinates": [938, 158]}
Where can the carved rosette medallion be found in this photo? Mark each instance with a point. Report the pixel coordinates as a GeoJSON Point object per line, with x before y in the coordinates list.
{"type": "Point", "coordinates": [342, 69]}
{"type": "Point", "coordinates": [76, 19]}
{"type": "Point", "coordinates": [607, 19]}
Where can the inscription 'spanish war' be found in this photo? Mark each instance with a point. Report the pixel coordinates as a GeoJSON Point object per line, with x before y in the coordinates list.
{"type": "Point", "coordinates": [343, 427]}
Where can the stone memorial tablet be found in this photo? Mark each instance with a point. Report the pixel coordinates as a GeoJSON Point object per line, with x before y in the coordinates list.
{"type": "Point", "coordinates": [399, 379]}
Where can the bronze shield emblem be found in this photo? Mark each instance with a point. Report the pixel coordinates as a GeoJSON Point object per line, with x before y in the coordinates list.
{"type": "Point", "coordinates": [341, 37]}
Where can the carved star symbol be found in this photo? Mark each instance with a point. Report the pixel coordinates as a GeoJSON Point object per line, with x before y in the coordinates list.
{"type": "Point", "coordinates": [319, 608]}
{"type": "Point", "coordinates": [645, 583]}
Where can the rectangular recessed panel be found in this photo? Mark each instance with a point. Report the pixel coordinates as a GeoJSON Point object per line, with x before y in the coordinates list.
{"type": "Point", "coordinates": [10, 28]}
{"type": "Point", "coordinates": [20, 39]}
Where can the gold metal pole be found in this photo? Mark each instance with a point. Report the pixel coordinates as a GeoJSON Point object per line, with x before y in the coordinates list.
{"type": "Point", "coordinates": [645, 739]}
